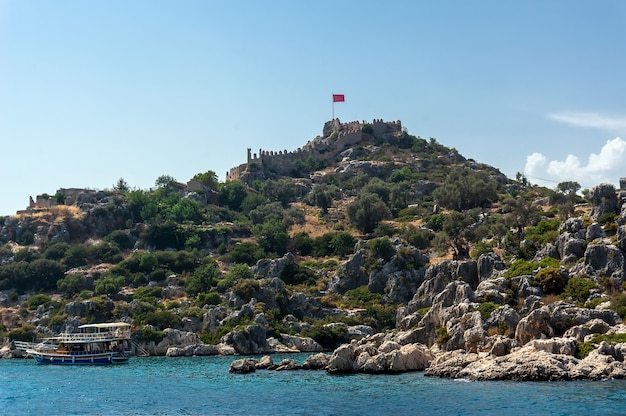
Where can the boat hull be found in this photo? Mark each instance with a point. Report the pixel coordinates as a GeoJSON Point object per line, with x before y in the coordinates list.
{"type": "Point", "coordinates": [88, 359]}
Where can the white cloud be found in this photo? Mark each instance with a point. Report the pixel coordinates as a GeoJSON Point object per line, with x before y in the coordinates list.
{"type": "Point", "coordinates": [607, 166]}
{"type": "Point", "coordinates": [595, 120]}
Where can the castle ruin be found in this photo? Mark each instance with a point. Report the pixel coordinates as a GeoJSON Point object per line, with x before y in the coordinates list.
{"type": "Point", "coordinates": [336, 137]}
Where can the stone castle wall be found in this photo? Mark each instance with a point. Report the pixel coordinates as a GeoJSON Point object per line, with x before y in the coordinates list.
{"type": "Point", "coordinates": [336, 137]}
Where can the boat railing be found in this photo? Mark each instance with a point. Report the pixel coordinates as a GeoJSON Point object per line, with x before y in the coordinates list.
{"type": "Point", "coordinates": [93, 336]}
{"type": "Point", "coordinates": [23, 345]}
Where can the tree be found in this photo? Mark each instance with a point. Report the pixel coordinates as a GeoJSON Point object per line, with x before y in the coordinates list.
{"type": "Point", "coordinates": [342, 243]}
{"type": "Point", "coordinates": [121, 186]}
{"type": "Point", "coordinates": [367, 211]}
{"type": "Point", "coordinates": [568, 187]}
{"type": "Point", "coordinates": [457, 233]}
{"type": "Point", "coordinates": [272, 237]}
{"type": "Point", "coordinates": [519, 213]}
{"type": "Point", "coordinates": [282, 191]}
{"type": "Point", "coordinates": [164, 181]}
{"type": "Point", "coordinates": [267, 212]}
{"type": "Point", "coordinates": [464, 189]}
{"type": "Point", "coordinates": [246, 252]}
{"type": "Point", "coordinates": [208, 178]}
{"type": "Point", "coordinates": [320, 197]}
{"type": "Point", "coordinates": [203, 278]}
{"type": "Point", "coordinates": [232, 194]}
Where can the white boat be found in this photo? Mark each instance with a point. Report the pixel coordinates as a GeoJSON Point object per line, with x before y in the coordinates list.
{"type": "Point", "coordinates": [106, 343]}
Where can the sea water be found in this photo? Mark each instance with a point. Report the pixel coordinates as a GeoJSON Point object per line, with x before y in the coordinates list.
{"type": "Point", "coordinates": [203, 386]}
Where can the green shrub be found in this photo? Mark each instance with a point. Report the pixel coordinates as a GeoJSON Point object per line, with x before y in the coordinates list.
{"type": "Point", "coordinates": [360, 296]}
{"type": "Point", "coordinates": [211, 298]}
{"type": "Point", "coordinates": [159, 319]}
{"type": "Point", "coordinates": [618, 304]}
{"type": "Point", "coordinates": [578, 288]}
{"type": "Point", "coordinates": [148, 293]}
{"type": "Point", "coordinates": [550, 280]}
{"type": "Point", "coordinates": [521, 267]}
{"type": "Point", "coordinates": [480, 248]}
{"type": "Point", "coordinates": [25, 333]}
{"type": "Point", "coordinates": [328, 336]}
{"type": "Point", "coordinates": [442, 335]}
{"type": "Point", "coordinates": [148, 334]}
{"type": "Point", "coordinates": [381, 248]}
{"type": "Point", "coordinates": [39, 299]}
{"type": "Point", "coordinates": [486, 308]}
{"type": "Point", "coordinates": [246, 289]}
{"type": "Point", "coordinates": [108, 285]}
{"type": "Point", "coordinates": [72, 283]}
{"type": "Point", "coordinates": [294, 274]}
{"type": "Point", "coordinates": [584, 348]}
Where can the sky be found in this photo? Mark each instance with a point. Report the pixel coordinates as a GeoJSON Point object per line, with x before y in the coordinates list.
{"type": "Point", "coordinates": [94, 91]}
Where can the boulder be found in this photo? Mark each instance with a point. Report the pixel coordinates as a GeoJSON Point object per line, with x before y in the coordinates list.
{"type": "Point", "coordinates": [351, 274]}
{"type": "Point", "coordinates": [555, 345]}
{"type": "Point", "coordinates": [243, 366]}
{"type": "Point", "coordinates": [302, 344]}
{"type": "Point", "coordinates": [594, 232]}
{"type": "Point", "coordinates": [287, 364]}
{"type": "Point", "coordinates": [316, 362]}
{"type": "Point", "coordinates": [525, 363]}
{"type": "Point", "coordinates": [504, 320]}
{"type": "Point", "coordinates": [175, 338]}
{"type": "Point", "coordinates": [449, 364]}
{"type": "Point", "coordinates": [535, 325]}
{"type": "Point", "coordinates": [603, 200]}
{"type": "Point", "coordinates": [342, 360]}
{"type": "Point", "coordinates": [264, 363]}
{"type": "Point", "coordinates": [250, 340]}
{"type": "Point", "coordinates": [489, 265]}
{"type": "Point", "coordinates": [605, 260]}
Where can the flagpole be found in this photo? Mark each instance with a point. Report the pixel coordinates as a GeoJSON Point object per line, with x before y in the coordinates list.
{"type": "Point", "coordinates": [333, 108]}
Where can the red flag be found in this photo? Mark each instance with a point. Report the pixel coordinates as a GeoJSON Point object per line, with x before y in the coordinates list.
{"type": "Point", "coordinates": [338, 98]}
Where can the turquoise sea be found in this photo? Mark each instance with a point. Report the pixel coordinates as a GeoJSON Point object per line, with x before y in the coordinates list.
{"type": "Point", "coordinates": [203, 386]}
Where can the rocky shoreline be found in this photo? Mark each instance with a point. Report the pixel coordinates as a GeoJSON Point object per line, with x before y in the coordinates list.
{"type": "Point", "coordinates": [539, 360]}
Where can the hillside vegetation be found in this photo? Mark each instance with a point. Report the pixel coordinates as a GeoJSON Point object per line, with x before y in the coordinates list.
{"type": "Point", "coordinates": [365, 239]}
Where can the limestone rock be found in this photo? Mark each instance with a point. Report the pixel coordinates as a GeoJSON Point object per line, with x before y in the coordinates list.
{"type": "Point", "coordinates": [534, 326]}
{"type": "Point", "coordinates": [450, 364]}
{"type": "Point", "coordinates": [316, 362]}
{"type": "Point", "coordinates": [250, 340]}
{"type": "Point", "coordinates": [603, 200]}
{"type": "Point", "coordinates": [605, 260]}
{"type": "Point", "coordinates": [243, 366]}
{"type": "Point", "coordinates": [489, 266]}
{"type": "Point", "coordinates": [287, 364]}
{"type": "Point", "coordinates": [351, 274]}
{"type": "Point", "coordinates": [302, 344]}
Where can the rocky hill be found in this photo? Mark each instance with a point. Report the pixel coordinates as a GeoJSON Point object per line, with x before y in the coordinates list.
{"type": "Point", "coordinates": [394, 251]}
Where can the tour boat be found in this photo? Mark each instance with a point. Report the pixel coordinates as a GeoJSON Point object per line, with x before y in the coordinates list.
{"type": "Point", "coordinates": [106, 343]}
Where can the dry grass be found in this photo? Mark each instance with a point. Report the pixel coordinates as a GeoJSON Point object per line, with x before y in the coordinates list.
{"type": "Point", "coordinates": [53, 215]}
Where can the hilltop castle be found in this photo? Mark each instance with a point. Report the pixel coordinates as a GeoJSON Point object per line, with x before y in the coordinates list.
{"type": "Point", "coordinates": [336, 137]}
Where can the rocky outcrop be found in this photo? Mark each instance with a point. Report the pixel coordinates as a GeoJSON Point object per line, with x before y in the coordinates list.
{"type": "Point", "coordinates": [539, 360]}
{"type": "Point", "coordinates": [489, 265]}
{"type": "Point", "coordinates": [379, 354]}
{"type": "Point", "coordinates": [397, 279]}
{"type": "Point", "coordinates": [603, 200]}
{"type": "Point", "coordinates": [605, 260]}
{"type": "Point", "coordinates": [250, 340]}
{"type": "Point", "coordinates": [243, 366]}
{"type": "Point", "coordinates": [351, 274]}
{"type": "Point", "coordinates": [301, 344]}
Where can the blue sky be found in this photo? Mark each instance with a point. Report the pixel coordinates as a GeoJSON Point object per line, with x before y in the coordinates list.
{"type": "Point", "coordinates": [94, 91]}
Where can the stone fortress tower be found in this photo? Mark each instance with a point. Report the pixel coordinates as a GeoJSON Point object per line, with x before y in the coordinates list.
{"type": "Point", "coordinates": [336, 137]}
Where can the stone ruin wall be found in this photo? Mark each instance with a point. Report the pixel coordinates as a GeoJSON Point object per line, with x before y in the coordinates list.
{"type": "Point", "coordinates": [323, 149]}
